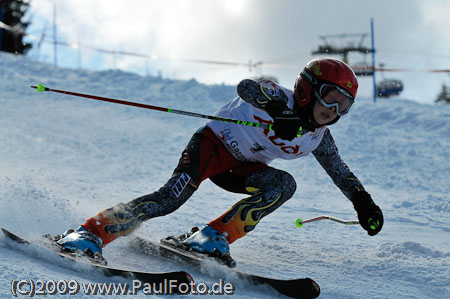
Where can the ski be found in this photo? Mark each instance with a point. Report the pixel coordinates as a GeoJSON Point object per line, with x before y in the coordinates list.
{"type": "Point", "coordinates": [175, 278]}
{"type": "Point", "coordinates": [295, 288]}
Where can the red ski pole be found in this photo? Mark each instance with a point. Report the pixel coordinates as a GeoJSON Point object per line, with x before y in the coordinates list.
{"type": "Point", "coordinates": [41, 88]}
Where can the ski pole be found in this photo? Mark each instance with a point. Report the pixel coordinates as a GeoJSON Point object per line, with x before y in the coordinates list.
{"type": "Point", "coordinates": [41, 88]}
{"type": "Point", "coordinates": [299, 222]}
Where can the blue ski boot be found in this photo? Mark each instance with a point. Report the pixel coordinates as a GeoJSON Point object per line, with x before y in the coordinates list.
{"type": "Point", "coordinates": [211, 242]}
{"type": "Point", "coordinates": [81, 241]}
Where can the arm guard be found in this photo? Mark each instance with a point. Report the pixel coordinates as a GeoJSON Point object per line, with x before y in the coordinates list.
{"type": "Point", "coordinates": [258, 95]}
{"type": "Point", "coordinates": [327, 155]}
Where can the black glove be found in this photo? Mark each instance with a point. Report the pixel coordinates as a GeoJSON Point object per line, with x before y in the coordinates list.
{"type": "Point", "coordinates": [286, 122]}
{"type": "Point", "coordinates": [369, 214]}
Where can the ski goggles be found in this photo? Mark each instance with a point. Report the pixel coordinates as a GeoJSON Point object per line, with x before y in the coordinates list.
{"type": "Point", "coordinates": [330, 95]}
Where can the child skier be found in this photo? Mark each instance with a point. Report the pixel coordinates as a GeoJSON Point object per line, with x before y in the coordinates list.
{"type": "Point", "coordinates": [236, 158]}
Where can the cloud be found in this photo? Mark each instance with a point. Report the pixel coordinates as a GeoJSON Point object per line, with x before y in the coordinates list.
{"type": "Point", "coordinates": [282, 32]}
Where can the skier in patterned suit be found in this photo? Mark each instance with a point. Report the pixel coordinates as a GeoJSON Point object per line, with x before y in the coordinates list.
{"type": "Point", "coordinates": [236, 158]}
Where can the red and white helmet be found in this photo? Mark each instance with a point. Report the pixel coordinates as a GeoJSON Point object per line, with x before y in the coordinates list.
{"type": "Point", "coordinates": [320, 76]}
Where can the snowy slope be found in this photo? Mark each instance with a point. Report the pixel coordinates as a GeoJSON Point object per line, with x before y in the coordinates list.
{"type": "Point", "coordinates": [63, 159]}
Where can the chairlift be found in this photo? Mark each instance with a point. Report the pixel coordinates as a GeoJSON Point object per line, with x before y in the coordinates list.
{"type": "Point", "coordinates": [389, 87]}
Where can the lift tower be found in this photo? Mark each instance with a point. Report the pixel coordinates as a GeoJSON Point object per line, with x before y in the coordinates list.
{"type": "Point", "coordinates": [346, 43]}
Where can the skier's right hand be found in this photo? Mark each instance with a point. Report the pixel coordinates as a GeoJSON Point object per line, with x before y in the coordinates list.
{"type": "Point", "coordinates": [286, 123]}
{"type": "Point", "coordinates": [369, 214]}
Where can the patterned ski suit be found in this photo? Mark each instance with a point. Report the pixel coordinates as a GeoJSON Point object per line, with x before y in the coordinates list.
{"type": "Point", "coordinates": [236, 158]}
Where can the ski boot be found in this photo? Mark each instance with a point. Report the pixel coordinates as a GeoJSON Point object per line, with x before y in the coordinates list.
{"type": "Point", "coordinates": [81, 241]}
{"type": "Point", "coordinates": [206, 241]}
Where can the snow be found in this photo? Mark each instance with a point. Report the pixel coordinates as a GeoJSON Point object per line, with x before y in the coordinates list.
{"type": "Point", "coordinates": [63, 159]}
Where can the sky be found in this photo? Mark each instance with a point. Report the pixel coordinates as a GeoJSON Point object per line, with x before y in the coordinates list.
{"type": "Point", "coordinates": [409, 34]}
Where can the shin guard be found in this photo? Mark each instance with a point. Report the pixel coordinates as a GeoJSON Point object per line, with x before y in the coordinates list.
{"type": "Point", "coordinates": [244, 216]}
{"type": "Point", "coordinates": [270, 188]}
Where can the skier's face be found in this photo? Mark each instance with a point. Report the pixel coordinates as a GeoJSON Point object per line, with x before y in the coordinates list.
{"type": "Point", "coordinates": [322, 114]}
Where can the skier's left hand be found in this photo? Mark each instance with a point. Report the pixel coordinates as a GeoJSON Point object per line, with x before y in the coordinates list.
{"type": "Point", "coordinates": [369, 214]}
